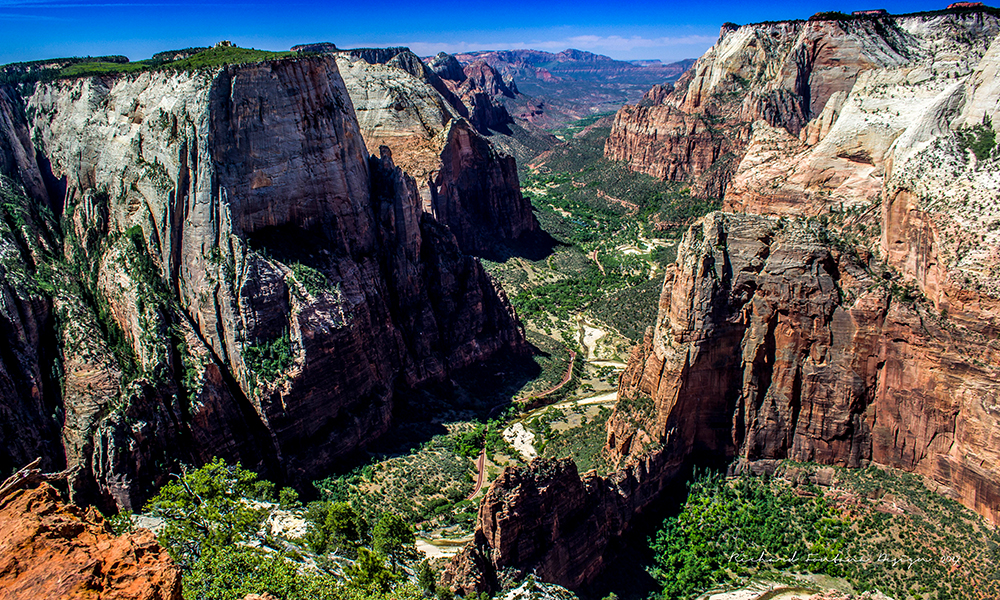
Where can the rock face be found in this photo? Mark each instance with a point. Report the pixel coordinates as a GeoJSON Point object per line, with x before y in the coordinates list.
{"type": "Point", "coordinates": [847, 315]}
{"type": "Point", "coordinates": [548, 520]}
{"type": "Point", "coordinates": [247, 281]}
{"type": "Point", "coordinates": [52, 550]}
{"type": "Point", "coordinates": [29, 393]}
{"type": "Point", "coordinates": [771, 343]}
{"type": "Point", "coordinates": [796, 76]}
{"type": "Point", "coordinates": [437, 139]}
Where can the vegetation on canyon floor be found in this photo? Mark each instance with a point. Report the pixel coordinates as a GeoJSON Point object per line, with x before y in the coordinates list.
{"type": "Point", "coordinates": [869, 529]}
{"type": "Point", "coordinates": [615, 229]}
{"type": "Point", "coordinates": [853, 529]}
{"type": "Point", "coordinates": [218, 525]}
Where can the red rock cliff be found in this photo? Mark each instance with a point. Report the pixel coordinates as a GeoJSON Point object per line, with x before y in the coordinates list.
{"type": "Point", "coordinates": [225, 216]}
{"type": "Point", "coordinates": [771, 344]}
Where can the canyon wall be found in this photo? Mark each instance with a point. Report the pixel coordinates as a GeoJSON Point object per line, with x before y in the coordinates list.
{"type": "Point", "coordinates": [795, 76]}
{"type": "Point", "coordinates": [843, 311]}
{"type": "Point", "coordinates": [772, 342]}
{"type": "Point", "coordinates": [436, 125]}
{"type": "Point", "coordinates": [236, 277]}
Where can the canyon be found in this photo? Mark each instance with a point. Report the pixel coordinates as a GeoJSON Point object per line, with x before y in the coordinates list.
{"type": "Point", "coordinates": [265, 261]}
{"type": "Point", "coordinates": [554, 89]}
{"type": "Point", "coordinates": [841, 310]}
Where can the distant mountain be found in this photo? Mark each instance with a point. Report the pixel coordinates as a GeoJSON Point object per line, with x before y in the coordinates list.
{"type": "Point", "coordinates": [557, 88]}
{"type": "Point", "coordinates": [575, 65]}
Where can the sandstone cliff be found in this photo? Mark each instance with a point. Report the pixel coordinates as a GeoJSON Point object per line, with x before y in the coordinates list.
{"type": "Point", "coordinates": [434, 127]}
{"type": "Point", "coordinates": [773, 341]}
{"type": "Point", "coordinates": [855, 322]}
{"type": "Point", "coordinates": [52, 550]}
{"type": "Point", "coordinates": [796, 76]}
{"type": "Point", "coordinates": [549, 520]}
{"type": "Point", "coordinates": [237, 277]}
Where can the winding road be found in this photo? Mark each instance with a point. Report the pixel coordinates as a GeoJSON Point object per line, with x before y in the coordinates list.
{"type": "Point", "coordinates": [481, 461]}
{"type": "Point", "coordinates": [481, 470]}
{"type": "Point", "coordinates": [565, 380]}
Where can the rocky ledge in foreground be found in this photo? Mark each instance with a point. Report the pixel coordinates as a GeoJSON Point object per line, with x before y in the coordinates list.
{"type": "Point", "coordinates": [49, 549]}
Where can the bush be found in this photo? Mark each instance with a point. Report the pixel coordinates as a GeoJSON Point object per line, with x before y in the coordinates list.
{"type": "Point", "coordinates": [725, 525]}
{"type": "Point", "coordinates": [333, 525]}
{"type": "Point", "coordinates": [268, 360]}
{"type": "Point", "coordinates": [981, 139]}
{"type": "Point", "coordinates": [831, 15]}
{"type": "Point", "coordinates": [232, 572]}
{"type": "Point", "coordinates": [314, 281]}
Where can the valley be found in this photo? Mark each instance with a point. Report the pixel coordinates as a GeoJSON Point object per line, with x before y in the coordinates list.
{"type": "Point", "coordinates": [355, 323]}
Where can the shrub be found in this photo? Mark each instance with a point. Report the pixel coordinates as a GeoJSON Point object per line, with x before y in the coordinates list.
{"type": "Point", "coordinates": [981, 139]}
{"type": "Point", "coordinates": [232, 572]}
{"type": "Point", "coordinates": [268, 360]}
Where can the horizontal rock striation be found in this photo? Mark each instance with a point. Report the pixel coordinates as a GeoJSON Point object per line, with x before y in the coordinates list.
{"type": "Point", "coordinates": [793, 76]}
{"type": "Point", "coordinates": [239, 278]}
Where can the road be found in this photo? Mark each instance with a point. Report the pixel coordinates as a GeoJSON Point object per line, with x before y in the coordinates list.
{"type": "Point", "coordinates": [481, 470]}
{"type": "Point", "coordinates": [481, 461]}
{"type": "Point", "coordinates": [565, 380]}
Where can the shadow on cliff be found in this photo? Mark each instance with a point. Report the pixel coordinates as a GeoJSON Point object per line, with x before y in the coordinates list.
{"type": "Point", "coordinates": [628, 556]}
{"type": "Point", "coordinates": [530, 245]}
{"type": "Point", "coordinates": [479, 392]}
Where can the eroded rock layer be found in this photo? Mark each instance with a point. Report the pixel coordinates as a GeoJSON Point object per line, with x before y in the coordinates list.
{"type": "Point", "coordinates": [771, 343]}
{"type": "Point", "coordinates": [799, 77]}
{"type": "Point", "coordinates": [237, 277]}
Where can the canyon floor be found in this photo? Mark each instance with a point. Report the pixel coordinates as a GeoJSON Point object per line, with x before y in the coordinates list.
{"type": "Point", "coordinates": [588, 299]}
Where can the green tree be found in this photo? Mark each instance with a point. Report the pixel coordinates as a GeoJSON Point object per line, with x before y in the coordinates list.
{"type": "Point", "coordinates": [332, 524]}
{"type": "Point", "coordinates": [393, 538]}
{"type": "Point", "coordinates": [232, 572]}
{"type": "Point", "coordinates": [209, 508]}
{"type": "Point", "coordinates": [426, 578]}
{"type": "Point", "coordinates": [369, 573]}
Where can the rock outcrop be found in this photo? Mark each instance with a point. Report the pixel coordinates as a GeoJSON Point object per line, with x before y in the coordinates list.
{"type": "Point", "coordinates": [797, 76]}
{"type": "Point", "coordinates": [548, 520]}
{"type": "Point", "coordinates": [771, 343]}
{"type": "Point", "coordinates": [52, 550]}
{"type": "Point", "coordinates": [463, 180]}
{"type": "Point", "coordinates": [243, 280]}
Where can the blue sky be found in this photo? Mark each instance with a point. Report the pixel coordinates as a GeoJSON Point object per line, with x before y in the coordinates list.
{"type": "Point", "coordinates": [625, 29]}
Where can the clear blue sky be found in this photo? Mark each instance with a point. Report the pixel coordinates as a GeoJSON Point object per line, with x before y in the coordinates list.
{"type": "Point", "coordinates": [624, 29]}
